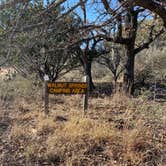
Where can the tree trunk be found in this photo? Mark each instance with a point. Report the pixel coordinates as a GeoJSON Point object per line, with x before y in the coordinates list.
{"type": "Point", "coordinates": [128, 85]}
{"type": "Point", "coordinates": [87, 68]}
{"type": "Point", "coordinates": [131, 25]}
{"type": "Point", "coordinates": [115, 86]}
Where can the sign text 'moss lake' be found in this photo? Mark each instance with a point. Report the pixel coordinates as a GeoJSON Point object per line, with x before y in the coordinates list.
{"type": "Point", "coordinates": [67, 87]}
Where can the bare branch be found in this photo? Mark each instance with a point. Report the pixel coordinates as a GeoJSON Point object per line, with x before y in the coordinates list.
{"type": "Point", "coordinates": [152, 6]}
{"type": "Point", "coordinates": [150, 40]}
{"type": "Point", "coordinates": [107, 8]}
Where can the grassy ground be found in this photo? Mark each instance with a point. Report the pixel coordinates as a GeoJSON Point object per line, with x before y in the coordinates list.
{"type": "Point", "coordinates": [116, 131]}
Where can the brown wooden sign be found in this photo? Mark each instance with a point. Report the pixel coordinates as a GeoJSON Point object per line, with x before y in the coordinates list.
{"type": "Point", "coordinates": [67, 87]}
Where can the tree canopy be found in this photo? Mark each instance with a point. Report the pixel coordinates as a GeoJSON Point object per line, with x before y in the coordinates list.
{"type": "Point", "coordinates": [65, 28]}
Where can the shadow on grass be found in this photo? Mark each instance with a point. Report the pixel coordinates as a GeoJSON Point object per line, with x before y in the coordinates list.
{"type": "Point", "coordinates": [102, 89]}
{"type": "Point", "coordinates": [156, 92]}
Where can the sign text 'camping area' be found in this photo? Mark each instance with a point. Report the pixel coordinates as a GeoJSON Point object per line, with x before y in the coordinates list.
{"type": "Point", "coordinates": [67, 87]}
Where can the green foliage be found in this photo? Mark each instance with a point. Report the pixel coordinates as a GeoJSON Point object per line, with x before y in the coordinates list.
{"type": "Point", "coordinates": [54, 34]}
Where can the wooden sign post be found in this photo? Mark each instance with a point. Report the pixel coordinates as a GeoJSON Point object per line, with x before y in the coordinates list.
{"type": "Point", "coordinates": [46, 95]}
{"type": "Point", "coordinates": [86, 95]}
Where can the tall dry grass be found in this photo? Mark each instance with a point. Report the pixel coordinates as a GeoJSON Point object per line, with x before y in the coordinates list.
{"type": "Point", "coordinates": [116, 131]}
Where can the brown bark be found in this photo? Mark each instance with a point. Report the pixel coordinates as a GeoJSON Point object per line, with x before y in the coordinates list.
{"type": "Point", "coordinates": [128, 85]}
{"type": "Point", "coordinates": [86, 63]}
{"type": "Point", "coordinates": [88, 72]}
{"type": "Point", "coordinates": [153, 6]}
{"type": "Point", "coordinates": [131, 25]}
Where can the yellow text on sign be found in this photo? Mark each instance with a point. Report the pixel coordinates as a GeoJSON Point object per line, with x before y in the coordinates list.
{"type": "Point", "coordinates": [67, 88]}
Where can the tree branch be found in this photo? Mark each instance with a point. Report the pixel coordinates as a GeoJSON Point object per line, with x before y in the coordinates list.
{"type": "Point", "coordinates": [150, 40]}
{"type": "Point", "coordinates": [107, 8]}
{"type": "Point", "coordinates": [119, 40]}
{"type": "Point", "coordinates": [152, 6]}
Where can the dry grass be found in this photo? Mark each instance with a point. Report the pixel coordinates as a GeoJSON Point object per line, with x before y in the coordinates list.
{"type": "Point", "coordinates": [78, 139]}
{"type": "Point", "coordinates": [116, 131]}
